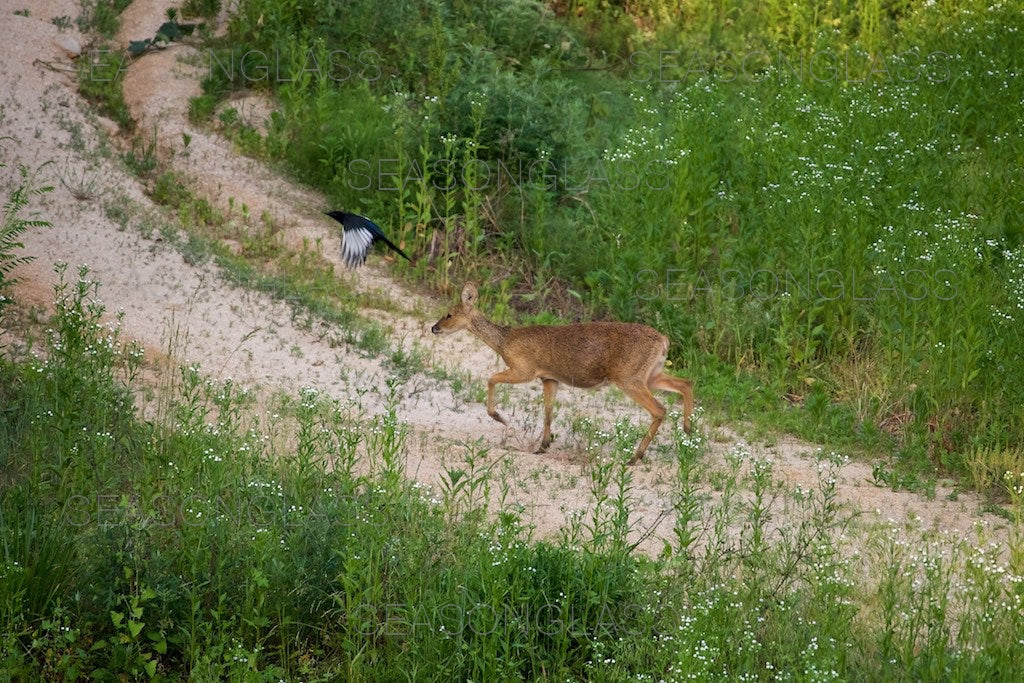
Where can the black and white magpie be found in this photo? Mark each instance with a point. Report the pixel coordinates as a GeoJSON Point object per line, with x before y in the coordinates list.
{"type": "Point", "coordinates": [358, 237]}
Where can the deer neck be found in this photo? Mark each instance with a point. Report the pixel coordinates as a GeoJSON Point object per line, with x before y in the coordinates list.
{"type": "Point", "coordinates": [492, 334]}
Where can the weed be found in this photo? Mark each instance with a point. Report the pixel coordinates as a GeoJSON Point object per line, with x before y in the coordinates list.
{"type": "Point", "coordinates": [85, 183]}
{"type": "Point", "coordinates": [101, 16]}
{"type": "Point", "coordinates": [141, 159]}
{"type": "Point", "coordinates": [511, 165]}
{"type": "Point", "coordinates": [207, 9]}
{"type": "Point", "coordinates": [209, 540]}
{"type": "Point", "coordinates": [15, 224]}
{"type": "Point", "coordinates": [99, 80]}
{"type": "Point", "coordinates": [404, 364]}
{"type": "Point", "coordinates": [201, 108]}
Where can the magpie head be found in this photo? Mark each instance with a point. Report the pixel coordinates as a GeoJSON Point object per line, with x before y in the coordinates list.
{"type": "Point", "coordinates": [339, 216]}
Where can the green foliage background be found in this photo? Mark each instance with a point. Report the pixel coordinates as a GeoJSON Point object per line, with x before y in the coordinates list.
{"type": "Point", "coordinates": [819, 201]}
{"type": "Point", "coordinates": [824, 195]}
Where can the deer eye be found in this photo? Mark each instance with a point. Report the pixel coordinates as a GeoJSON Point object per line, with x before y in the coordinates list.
{"type": "Point", "coordinates": [448, 316]}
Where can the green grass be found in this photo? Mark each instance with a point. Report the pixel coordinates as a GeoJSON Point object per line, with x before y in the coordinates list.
{"type": "Point", "coordinates": [780, 218]}
{"type": "Point", "coordinates": [101, 70]}
{"type": "Point", "coordinates": [216, 539]}
{"type": "Point", "coordinates": [101, 16]}
{"type": "Point", "coordinates": [15, 223]}
{"type": "Point", "coordinates": [206, 9]}
{"type": "Point", "coordinates": [212, 541]}
{"type": "Point", "coordinates": [808, 203]}
{"type": "Point", "coordinates": [99, 80]}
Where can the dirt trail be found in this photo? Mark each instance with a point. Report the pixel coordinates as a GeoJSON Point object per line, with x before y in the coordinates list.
{"type": "Point", "coordinates": [97, 209]}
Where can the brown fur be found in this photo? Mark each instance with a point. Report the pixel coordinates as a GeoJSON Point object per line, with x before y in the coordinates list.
{"type": "Point", "coordinates": [586, 355]}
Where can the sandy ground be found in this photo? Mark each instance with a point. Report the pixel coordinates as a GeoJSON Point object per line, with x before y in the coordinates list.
{"type": "Point", "coordinates": [189, 313]}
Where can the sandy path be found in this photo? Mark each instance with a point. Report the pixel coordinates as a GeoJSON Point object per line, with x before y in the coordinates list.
{"type": "Point", "coordinates": [254, 339]}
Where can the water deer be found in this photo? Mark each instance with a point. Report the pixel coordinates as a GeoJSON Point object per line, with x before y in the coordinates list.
{"type": "Point", "coordinates": [586, 355]}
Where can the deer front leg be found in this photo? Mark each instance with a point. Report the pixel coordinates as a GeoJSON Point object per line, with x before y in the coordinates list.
{"type": "Point", "coordinates": [508, 376]}
{"type": "Point", "coordinates": [550, 389]}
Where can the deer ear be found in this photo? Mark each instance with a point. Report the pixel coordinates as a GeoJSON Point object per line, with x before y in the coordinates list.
{"type": "Point", "coordinates": [469, 294]}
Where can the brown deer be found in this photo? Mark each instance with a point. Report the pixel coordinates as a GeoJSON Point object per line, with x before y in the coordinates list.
{"type": "Point", "coordinates": [587, 355]}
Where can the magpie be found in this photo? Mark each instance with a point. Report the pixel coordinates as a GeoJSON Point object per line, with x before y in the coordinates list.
{"type": "Point", "coordinates": [358, 237]}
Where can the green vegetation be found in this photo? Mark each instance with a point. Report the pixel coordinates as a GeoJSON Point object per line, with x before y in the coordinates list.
{"type": "Point", "coordinates": [101, 16]}
{"type": "Point", "coordinates": [215, 541]}
{"type": "Point", "coordinates": [99, 80]}
{"type": "Point", "coordinates": [15, 224]}
{"type": "Point", "coordinates": [825, 199]}
{"type": "Point", "coordinates": [207, 9]}
{"type": "Point", "coordinates": [211, 538]}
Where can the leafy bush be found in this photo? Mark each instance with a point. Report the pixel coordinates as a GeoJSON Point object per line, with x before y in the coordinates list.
{"type": "Point", "coordinates": [14, 225]}
{"type": "Point", "coordinates": [192, 544]}
{"type": "Point", "coordinates": [807, 194]}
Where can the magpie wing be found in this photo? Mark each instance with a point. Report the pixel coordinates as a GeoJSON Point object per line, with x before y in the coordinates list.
{"type": "Point", "coordinates": [359, 236]}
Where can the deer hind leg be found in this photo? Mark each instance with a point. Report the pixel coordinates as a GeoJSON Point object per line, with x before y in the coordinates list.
{"type": "Point", "coordinates": [550, 389]}
{"type": "Point", "coordinates": [509, 376]}
{"type": "Point", "coordinates": [641, 393]}
{"type": "Point", "coordinates": [683, 387]}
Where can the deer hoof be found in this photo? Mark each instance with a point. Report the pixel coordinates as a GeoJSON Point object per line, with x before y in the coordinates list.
{"type": "Point", "coordinates": [499, 418]}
